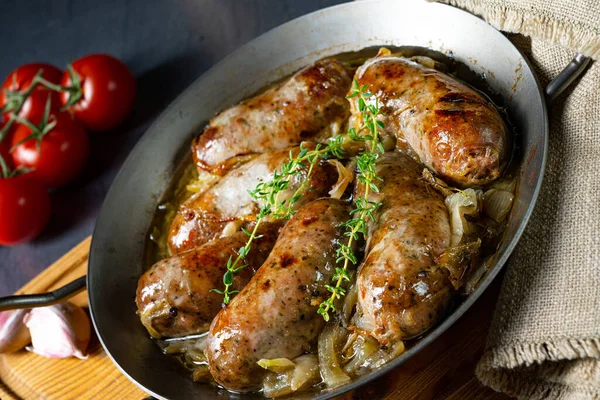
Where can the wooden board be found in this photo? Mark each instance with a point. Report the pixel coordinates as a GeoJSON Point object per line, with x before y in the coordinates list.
{"type": "Point", "coordinates": [443, 371]}
{"type": "Point", "coordinates": [29, 376]}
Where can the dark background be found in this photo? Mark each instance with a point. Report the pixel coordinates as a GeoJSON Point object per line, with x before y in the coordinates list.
{"type": "Point", "coordinates": [165, 43]}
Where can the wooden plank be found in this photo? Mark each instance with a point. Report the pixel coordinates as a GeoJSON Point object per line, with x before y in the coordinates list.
{"type": "Point", "coordinates": [444, 370]}
{"type": "Point", "coordinates": [29, 376]}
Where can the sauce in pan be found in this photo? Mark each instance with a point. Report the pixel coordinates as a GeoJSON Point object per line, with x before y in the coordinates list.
{"type": "Point", "coordinates": [345, 349]}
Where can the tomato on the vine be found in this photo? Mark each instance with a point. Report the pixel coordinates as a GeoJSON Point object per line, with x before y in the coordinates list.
{"type": "Point", "coordinates": [24, 209]}
{"type": "Point", "coordinates": [100, 91]}
{"type": "Point", "coordinates": [19, 81]}
{"type": "Point", "coordinates": [5, 144]}
{"type": "Point", "coordinates": [56, 150]}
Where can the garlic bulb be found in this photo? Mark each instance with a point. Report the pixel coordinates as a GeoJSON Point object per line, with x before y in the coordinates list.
{"type": "Point", "coordinates": [14, 335]}
{"type": "Point", "coordinates": [59, 331]}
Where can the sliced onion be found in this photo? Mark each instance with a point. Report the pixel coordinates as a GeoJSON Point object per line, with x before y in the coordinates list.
{"type": "Point", "coordinates": [345, 177]}
{"type": "Point", "coordinates": [277, 365]}
{"type": "Point", "coordinates": [508, 185]}
{"type": "Point", "coordinates": [385, 355]}
{"type": "Point", "coordinates": [201, 374]}
{"type": "Point", "coordinates": [426, 62]}
{"type": "Point", "coordinates": [204, 181]}
{"type": "Point", "coordinates": [306, 372]}
{"type": "Point", "coordinates": [303, 374]}
{"type": "Point", "coordinates": [329, 364]}
{"type": "Point", "coordinates": [277, 385]}
{"type": "Point", "coordinates": [497, 204]}
{"type": "Point", "coordinates": [362, 349]}
{"type": "Point", "coordinates": [349, 303]}
{"type": "Point", "coordinates": [458, 259]}
{"type": "Point", "coordinates": [232, 227]}
{"type": "Point", "coordinates": [459, 204]}
{"type": "Point", "coordinates": [191, 348]}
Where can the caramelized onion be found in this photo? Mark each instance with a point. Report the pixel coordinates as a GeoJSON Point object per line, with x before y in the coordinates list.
{"type": "Point", "coordinates": [204, 181]}
{"type": "Point", "coordinates": [459, 205]}
{"type": "Point", "coordinates": [458, 259]}
{"type": "Point", "coordinates": [497, 204]}
{"type": "Point", "coordinates": [329, 364]}
{"type": "Point", "coordinates": [345, 177]}
{"type": "Point", "coordinates": [362, 349]}
{"type": "Point", "coordinates": [303, 373]}
{"type": "Point", "coordinates": [277, 365]}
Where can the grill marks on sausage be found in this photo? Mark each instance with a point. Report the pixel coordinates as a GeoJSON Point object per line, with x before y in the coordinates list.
{"type": "Point", "coordinates": [283, 116]}
{"type": "Point", "coordinates": [439, 119]}
{"type": "Point", "coordinates": [276, 313]}
{"type": "Point", "coordinates": [203, 217]}
{"type": "Point", "coordinates": [396, 296]}
{"type": "Point", "coordinates": [286, 260]}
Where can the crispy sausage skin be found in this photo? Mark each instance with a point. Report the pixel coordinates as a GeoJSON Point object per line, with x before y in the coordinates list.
{"type": "Point", "coordinates": [283, 116]}
{"type": "Point", "coordinates": [450, 127]}
{"type": "Point", "coordinates": [204, 216]}
{"type": "Point", "coordinates": [401, 292]}
{"type": "Point", "coordinates": [173, 296]}
{"type": "Point", "coordinates": [275, 315]}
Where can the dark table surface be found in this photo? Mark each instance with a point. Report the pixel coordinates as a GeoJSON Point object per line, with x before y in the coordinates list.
{"type": "Point", "coordinates": [166, 44]}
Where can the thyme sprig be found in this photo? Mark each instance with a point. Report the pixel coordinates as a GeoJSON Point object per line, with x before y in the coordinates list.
{"type": "Point", "coordinates": [364, 208]}
{"type": "Point", "coordinates": [269, 194]}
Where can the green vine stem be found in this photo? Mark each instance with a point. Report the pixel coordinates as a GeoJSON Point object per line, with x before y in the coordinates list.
{"type": "Point", "coordinates": [37, 131]}
{"type": "Point", "coordinates": [16, 100]}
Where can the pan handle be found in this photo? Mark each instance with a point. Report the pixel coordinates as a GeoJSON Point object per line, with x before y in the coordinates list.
{"type": "Point", "coordinates": [566, 76]}
{"type": "Point", "coordinates": [43, 299]}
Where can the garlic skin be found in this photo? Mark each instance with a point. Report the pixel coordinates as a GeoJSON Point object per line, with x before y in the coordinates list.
{"type": "Point", "coordinates": [14, 335]}
{"type": "Point", "coordinates": [59, 331]}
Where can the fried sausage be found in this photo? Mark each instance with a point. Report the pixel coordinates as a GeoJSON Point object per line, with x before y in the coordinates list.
{"type": "Point", "coordinates": [204, 216]}
{"type": "Point", "coordinates": [450, 127]}
{"type": "Point", "coordinates": [401, 292]}
{"type": "Point", "coordinates": [275, 315]}
{"type": "Point", "coordinates": [173, 296]}
{"type": "Point", "coordinates": [294, 111]}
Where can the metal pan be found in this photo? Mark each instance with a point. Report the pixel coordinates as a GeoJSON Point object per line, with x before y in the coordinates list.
{"type": "Point", "coordinates": [116, 258]}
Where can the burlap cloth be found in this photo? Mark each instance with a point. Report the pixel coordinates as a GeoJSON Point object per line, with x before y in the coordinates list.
{"type": "Point", "coordinates": [544, 342]}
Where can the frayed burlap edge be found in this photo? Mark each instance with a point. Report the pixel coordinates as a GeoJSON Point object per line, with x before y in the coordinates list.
{"type": "Point", "coordinates": [537, 371]}
{"type": "Point", "coordinates": [568, 34]}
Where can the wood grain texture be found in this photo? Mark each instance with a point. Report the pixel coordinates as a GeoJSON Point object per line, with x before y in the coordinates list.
{"type": "Point", "coordinates": [444, 370]}
{"type": "Point", "coordinates": [28, 376]}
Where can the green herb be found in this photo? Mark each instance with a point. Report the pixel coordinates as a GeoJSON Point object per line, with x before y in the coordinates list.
{"type": "Point", "coordinates": [269, 193]}
{"type": "Point", "coordinates": [364, 209]}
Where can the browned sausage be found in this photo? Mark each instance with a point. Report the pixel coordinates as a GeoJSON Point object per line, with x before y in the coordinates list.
{"type": "Point", "coordinates": [283, 116]}
{"type": "Point", "coordinates": [401, 292]}
{"type": "Point", "coordinates": [275, 315]}
{"type": "Point", "coordinates": [453, 129]}
{"type": "Point", "coordinates": [173, 296]}
{"type": "Point", "coordinates": [204, 216]}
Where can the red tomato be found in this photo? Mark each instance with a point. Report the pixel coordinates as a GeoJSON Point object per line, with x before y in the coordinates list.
{"type": "Point", "coordinates": [108, 91]}
{"type": "Point", "coordinates": [61, 154]}
{"type": "Point", "coordinates": [24, 209]}
{"type": "Point", "coordinates": [5, 145]}
{"type": "Point", "coordinates": [20, 80]}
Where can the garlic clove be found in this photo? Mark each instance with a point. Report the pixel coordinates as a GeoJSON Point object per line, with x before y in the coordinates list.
{"type": "Point", "coordinates": [14, 335]}
{"type": "Point", "coordinates": [59, 331]}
